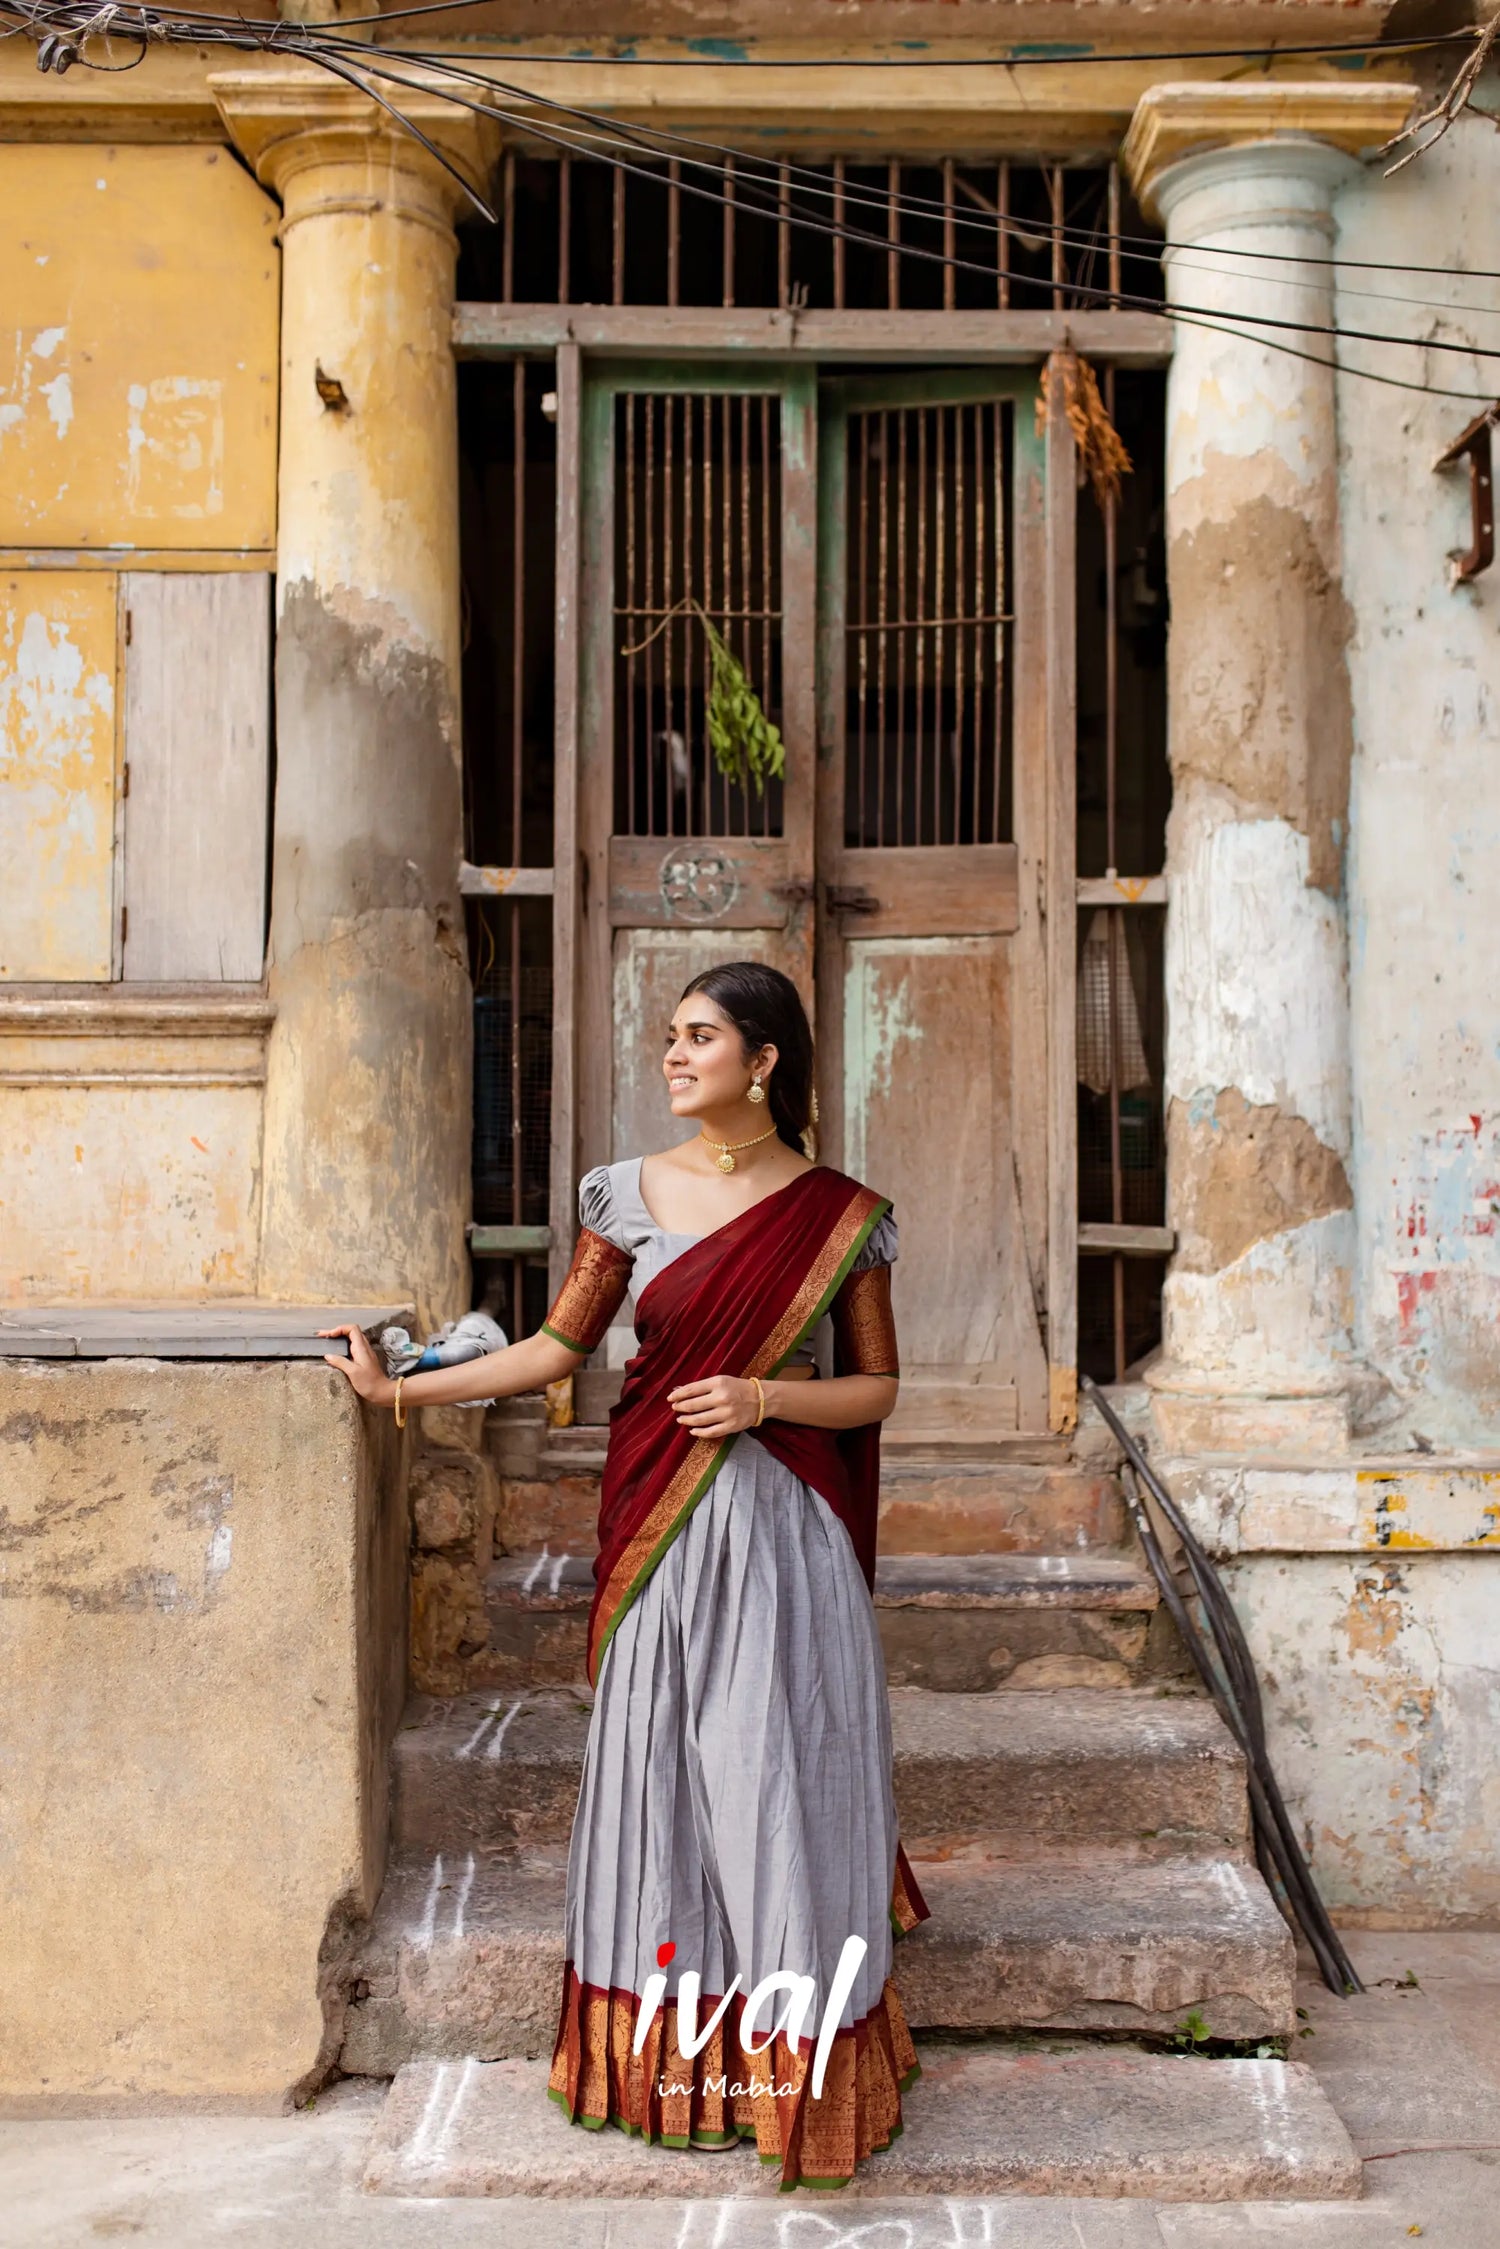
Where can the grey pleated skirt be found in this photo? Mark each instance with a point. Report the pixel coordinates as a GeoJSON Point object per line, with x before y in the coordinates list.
{"type": "Point", "coordinates": [736, 1797]}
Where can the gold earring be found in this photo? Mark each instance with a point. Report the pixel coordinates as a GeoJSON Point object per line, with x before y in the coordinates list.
{"type": "Point", "coordinates": [814, 1110]}
{"type": "Point", "coordinates": [757, 1090]}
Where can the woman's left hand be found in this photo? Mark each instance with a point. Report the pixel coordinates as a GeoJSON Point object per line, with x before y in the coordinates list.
{"type": "Point", "coordinates": [719, 1407]}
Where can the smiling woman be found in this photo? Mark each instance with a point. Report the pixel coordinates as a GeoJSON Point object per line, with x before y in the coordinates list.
{"type": "Point", "coordinates": [736, 1820]}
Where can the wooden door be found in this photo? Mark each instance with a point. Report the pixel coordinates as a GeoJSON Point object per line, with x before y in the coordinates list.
{"type": "Point", "coordinates": [945, 993]}
{"type": "Point", "coordinates": [698, 485]}
{"type": "Point", "coordinates": [892, 562]}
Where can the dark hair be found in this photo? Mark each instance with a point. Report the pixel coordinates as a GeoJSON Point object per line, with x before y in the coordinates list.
{"type": "Point", "coordinates": [766, 1009]}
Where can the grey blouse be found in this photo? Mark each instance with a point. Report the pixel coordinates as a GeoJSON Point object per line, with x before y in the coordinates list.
{"type": "Point", "coordinates": [609, 1203]}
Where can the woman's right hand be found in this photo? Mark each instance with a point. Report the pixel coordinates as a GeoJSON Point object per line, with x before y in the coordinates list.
{"type": "Point", "coordinates": [363, 1369]}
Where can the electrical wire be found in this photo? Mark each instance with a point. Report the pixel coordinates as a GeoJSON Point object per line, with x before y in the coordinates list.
{"type": "Point", "coordinates": [915, 62]}
{"type": "Point", "coordinates": [1139, 248]}
{"type": "Point", "coordinates": [1209, 317]}
{"type": "Point", "coordinates": [285, 36]}
{"type": "Point", "coordinates": [596, 137]}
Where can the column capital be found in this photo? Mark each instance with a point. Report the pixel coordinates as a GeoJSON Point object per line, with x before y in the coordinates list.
{"type": "Point", "coordinates": [1181, 120]}
{"type": "Point", "coordinates": [296, 123]}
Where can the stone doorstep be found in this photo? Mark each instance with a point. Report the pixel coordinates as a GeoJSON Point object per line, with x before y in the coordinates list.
{"type": "Point", "coordinates": [960, 1624]}
{"type": "Point", "coordinates": [492, 1772]}
{"type": "Point", "coordinates": [927, 1581]}
{"type": "Point", "coordinates": [927, 1506]}
{"type": "Point", "coordinates": [464, 1955]}
{"type": "Point", "coordinates": [978, 2122]}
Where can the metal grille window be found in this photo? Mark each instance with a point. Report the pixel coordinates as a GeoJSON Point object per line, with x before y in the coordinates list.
{"type": "Point", "coordinates": [1123, 795]}
{"type": "Point", "coordinates": [699, 516]}
{"type": "Point", "coordinates": [927, 758]}
{"type": "Point", "coordinates": [838, 236]}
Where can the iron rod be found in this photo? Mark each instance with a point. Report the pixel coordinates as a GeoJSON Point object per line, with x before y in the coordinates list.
{"type": "Point", "coordinates": [669, 595]}
{"type": "Point", "coordinates": [728, 232]}
{"type": "Point", "coordinates": [564, 228]}
{"type": "Point", "coordinates": [950, 238]}
{"type": "Point", "coordinates": [626, 414]}
{"type": "Point", "coordinates": [1232, 1682]}
{"type": "Point", "coordinates": [674, 231]}
{"type": "Point", "coordinates": [617, 282]}
{"type": "Point", "coordinates": [838, 240]}
{"type": "Point", "coordinates": [893, 235]}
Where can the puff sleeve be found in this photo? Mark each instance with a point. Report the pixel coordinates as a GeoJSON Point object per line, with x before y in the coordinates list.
{"type": "Point", "coordinates": [599, 1275]}
{"type": "Point", "coordinates": [864, 1328]}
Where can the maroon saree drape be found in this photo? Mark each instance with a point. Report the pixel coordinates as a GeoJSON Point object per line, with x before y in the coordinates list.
{"type": "Point", "coordinates": [739, 1302]}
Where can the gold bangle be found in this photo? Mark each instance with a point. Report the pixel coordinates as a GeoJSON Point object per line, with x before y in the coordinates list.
{"type": "Point", "coordinates": [400, 1410]}
{"type": "Point", "coordinates": [760, 1393]}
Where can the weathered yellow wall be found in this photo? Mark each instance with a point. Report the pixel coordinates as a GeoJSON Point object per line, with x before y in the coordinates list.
{"type": "Point", "coordinates": [202, 1637]}
{"type": "Point", "coordinates": [138, 349]}
{"type": "Point", "coordinates": [57, 772]}
{"type": "Point", "coordinates": [129, 1155]}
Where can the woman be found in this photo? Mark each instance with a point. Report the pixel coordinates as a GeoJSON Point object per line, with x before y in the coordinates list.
{"type": "Point", "coordinates": [735, 1820]}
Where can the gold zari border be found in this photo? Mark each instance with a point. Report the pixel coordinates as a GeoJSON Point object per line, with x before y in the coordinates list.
{"type": "Point", "coordinates": [659, 2095]}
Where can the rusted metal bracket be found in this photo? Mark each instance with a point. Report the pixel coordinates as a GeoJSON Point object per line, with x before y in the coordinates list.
{"type": "Point", "coordinates": [1474, 444]}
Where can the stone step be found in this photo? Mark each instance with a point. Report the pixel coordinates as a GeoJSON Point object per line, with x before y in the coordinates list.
{"type": "Point", "coordinates": [957, 1623]}
{"type": "Point", "coordinates": [1147, 1774]}
{"type": "Point", "coordinates": [979, 2122]}
{"type": "Point", "coordinates": [958, 1499]}
{"type": "Point", "coordinates": [464, 1955]}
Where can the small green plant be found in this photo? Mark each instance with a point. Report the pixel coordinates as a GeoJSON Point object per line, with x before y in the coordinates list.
{"type": "Point", "coordinates": [1192, 2033]}
{"type": "Point", "coordinates": [747, 748]}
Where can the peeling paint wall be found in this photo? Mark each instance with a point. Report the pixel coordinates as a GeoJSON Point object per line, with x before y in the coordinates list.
{"type": "Point", "coordinates": [139, 323]}
{"type": "Point", "coordinates": [1382, 1678]}
{"type": "Point", "coordinates": [129, 1165]}
{"type": "Point", "coordinates": [138, 315]}
{"type": "Point", "coordinates": [202, 1600]}
{"type": "Point", "coordinates": [1425, 819]}
{"type": "Point", "coordinates": [58, 634]}
{"type": "Point", "coordinates": [1257, 1079]}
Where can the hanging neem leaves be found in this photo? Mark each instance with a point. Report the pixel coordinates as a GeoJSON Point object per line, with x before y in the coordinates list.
{"type": "Point", "coordinates": [745, 744]}
{"type": "Point", "coordinates": [747, 748]}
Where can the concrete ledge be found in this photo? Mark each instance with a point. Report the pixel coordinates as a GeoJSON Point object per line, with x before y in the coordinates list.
{"type": "Point", "coordinates": [220, 1328]}
{"type": "Point", "coordinates": [202, 1619]}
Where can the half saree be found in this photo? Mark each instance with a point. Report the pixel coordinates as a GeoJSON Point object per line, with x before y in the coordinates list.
{"type": "Point", "coordinates": [735, 1819]}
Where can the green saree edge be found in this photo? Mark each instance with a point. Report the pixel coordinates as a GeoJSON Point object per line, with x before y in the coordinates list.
{"type": "Point", "coordinates": [637, 1584]}
{"type": "Point", "coordinates": [565, 1340]}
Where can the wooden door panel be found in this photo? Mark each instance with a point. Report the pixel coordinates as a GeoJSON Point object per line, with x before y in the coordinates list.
{"type": "Point", "coordinates": [932, 891]}
{"type": "Point", "coordinates": [700, 882]}
{"type": "Point", "coordinates": [926, 1102]}
{"type": "Point", "coordinates": [935, 849]}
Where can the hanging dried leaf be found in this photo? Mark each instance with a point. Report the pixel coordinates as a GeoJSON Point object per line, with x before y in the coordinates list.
{"type": "Point", "coordinates": [1100, 451]}
{"type": "Point", "coordinates": [747, 748]}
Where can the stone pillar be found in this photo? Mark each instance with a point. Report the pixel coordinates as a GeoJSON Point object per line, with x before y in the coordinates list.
{"type": "Point", "coordinates": [1258, 1300]}
{"type": "Point", "coordinates": [366, 1160]}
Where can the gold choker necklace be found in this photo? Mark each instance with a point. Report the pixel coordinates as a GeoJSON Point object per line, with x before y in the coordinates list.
{"type": "Point", "coordinates": [729, 1149]}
